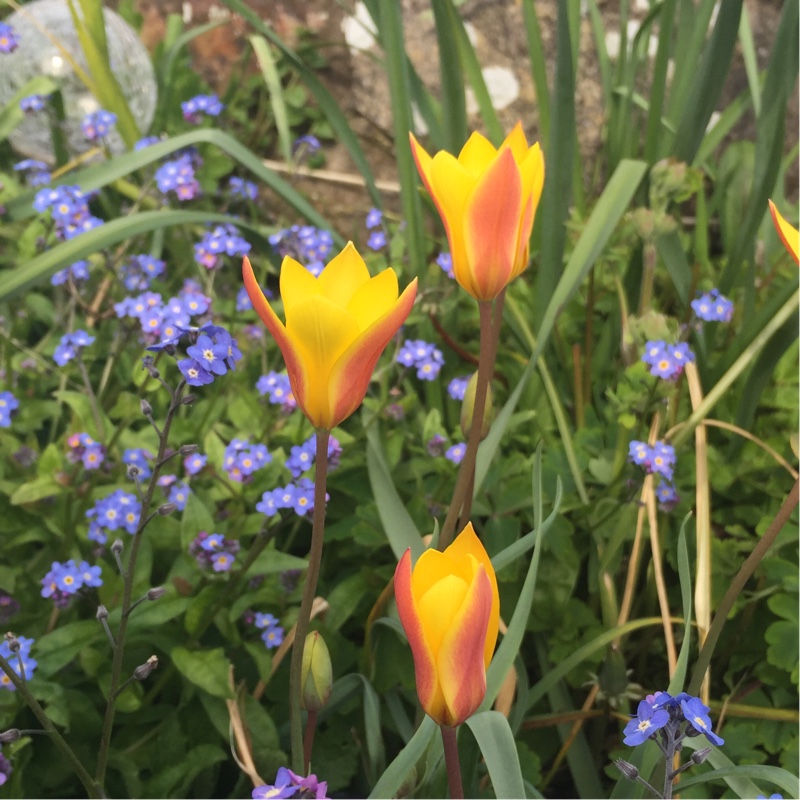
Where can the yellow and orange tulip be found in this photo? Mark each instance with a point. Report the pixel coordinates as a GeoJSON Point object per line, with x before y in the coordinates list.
{"type": "Point", "coordinates": [487, 199]}
{"type": "Point", "coordinates": [789, 235]}
{"type": "Point", "coordinates": [450, 610]}
{"type": "Point", "coordinates": [337, 325]}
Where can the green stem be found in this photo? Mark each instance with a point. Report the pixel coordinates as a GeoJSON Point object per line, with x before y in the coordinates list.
{"type": "Point", "coordinates": [309, 590]}
{"type": "Point", "coordinates": [466, 472]}
{"type": "Point", "coordinates": [649, 256]}
{"type": "Point", "coordinates": [119, 652]}
{"type": "Point", "coordinates": [450, 741]}
{"type": "Point", "coordinates": [98, 420]}
{"type": "Point", "coordinates": [59, 741]}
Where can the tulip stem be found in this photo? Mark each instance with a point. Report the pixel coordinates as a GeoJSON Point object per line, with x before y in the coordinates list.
{"type": "Point", "coordinates": [309, 590]}
{"type": "Point", "coordinates": [450, 741]}
{"type": "Point", "coordinates": [308, 742]}
{"type": "Point", "coordinates": [461, 505]}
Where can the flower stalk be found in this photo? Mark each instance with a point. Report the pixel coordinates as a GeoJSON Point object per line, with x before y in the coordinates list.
{"type": "Point", "coordinates": [451, 760]}
{"type": "Point", "coordinates": [309, 590]}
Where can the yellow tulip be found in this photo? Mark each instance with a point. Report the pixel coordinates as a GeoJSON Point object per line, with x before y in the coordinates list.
{"type": "Point", "coordinates": [450, 610]}
{"type": "Point", "coordinates": [337, 325]}
{"type": "Point", "coordinates": [789, 235]}
{"type": "Point", "coordinates": [487, 199]}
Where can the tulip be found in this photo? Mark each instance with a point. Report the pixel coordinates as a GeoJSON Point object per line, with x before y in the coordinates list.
{"type": "Point", "coordinates": [316, 676]}
{"type": "Point", "coordinates": [487, 200]}
{"type": "Point", "coordinates": [450, 610]}
{"type": "Point", "coordinates": [789, 235]}
{"type": "Point", "coordinates": [337, 325]}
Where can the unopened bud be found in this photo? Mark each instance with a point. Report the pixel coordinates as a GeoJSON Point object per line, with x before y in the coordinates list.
{"type": "Point", "coordinates": [468, 408]}
{"type": "Point", "coordinates": [699, 756]}
{"type": "Point", "coordinates": [189, 449]}
{"type": "Point", "coordinates": [316, 676]}
{"type": "Point", "coordinates": [116, 546]}
{"type": "Point", "coordinates": [189, 399]}
{"type": "Point", "coordinates": [156, 592]}
{"type": "Point", "coordinates": [11, 735]}
{"type": "Point", "coordinates": [133, 471]}
{"type": "Point", "coordinates": [147, 409]}
{"type": "Point", "coordinates": [627, 769]}
{"type": "Point", "coordinates": [151, 369]}
{"type": "Point", "coordinates": [166, 509]}
{"type": "Point", "coordinates": [102, 612]}
{"type": "Point", "coordinates": [12, 642]}
{"type": "Point", "coordinates": [143, 670]}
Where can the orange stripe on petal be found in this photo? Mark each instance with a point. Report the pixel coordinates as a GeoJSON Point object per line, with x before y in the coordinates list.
{"type": "Point", "coordinates": [424, 665]}
{"type": "Point", "coordinates": [462, 672]}
{"type": "Point", "coordinates": [349, 379]}
{"type": "Point", "coordinates": [491, 225]}
{"type": "Point", "coordinates": [294, 366]}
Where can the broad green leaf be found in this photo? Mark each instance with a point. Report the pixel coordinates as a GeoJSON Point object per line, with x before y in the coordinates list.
{"type": "Point", "coordinates": [207, 669]}
{"type": "Point", "coordinates": [496, 742]}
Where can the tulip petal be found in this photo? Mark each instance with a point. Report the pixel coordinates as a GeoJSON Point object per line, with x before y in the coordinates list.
{"type": "Point", "coordinates": [343, 276]}
{"type": "Point", "coordinates": [320, 332]}
{"type": "Point", "coordinates": [477, 154]}
{"type": "Point", "coordinates": [294, 364]}
{"type": "Point", "coordinates": [789, 235]}
{"type": "Point", "coordinates": [350, 376]}
{"type": "Point", "coordinates": [517, 142]}
{"type": "Point", "coordinates": [297, 284]}
{"type": "Point", "coordinates": [492, 226]}
{"type": "Point", "coordinates": [438, 606]}
{"type": "Point", "coordinates": [374, 298]}
{"type": "Point", "coordinates": [460, 663]}
{"type": "Point", "coordinates": [468, 543]}
{"type": "Point", "coordinates": [428, 691]}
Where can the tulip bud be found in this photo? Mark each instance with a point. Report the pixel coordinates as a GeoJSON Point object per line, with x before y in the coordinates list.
{"type": "Point", "coordinates": [468, 408]}
{"type": "Point", "coordinates": [316, 676]}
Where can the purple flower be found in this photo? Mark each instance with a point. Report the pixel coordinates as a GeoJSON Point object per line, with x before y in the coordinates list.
{"type": "Point", "coordinates": [713, 307]}
{"type": "Point", "coordinates": [8, 403]}
{"type": "Point", "coordinates": [377, 240]}
{"type": "Point", "coordinates": [179, 494]}
{"type": "Point", "coordinates": [222, 561]}
{"type": "Point", "coordinates": [194, 463]}
{"type": "Point", "coordinates": [306, 244]}
{"type": "Point", "coordinates": [5, 764]}
{"type": "Point", "coordinates": [178, 176]}
{"type": "Point", "coordinates": [304, 146]}
{"type": "Point", "coordinates": [90, 575]}
{"type": "Point", "coordinates": [277, 386]}
{"type": "Point", "coordinates": [658, 459]}
{"type": "Point", "coordinates": [647, 721]}
{"type": "Point", "coordinates": [445, 261]}
{"type": "Point", "coordinates": [456, 453]}
{"type": "Point", "coordinates": [277, 792]}
{"type": "Point", "coordinates": [78, 271]}
{"type": "Point", "coordinates": [201, 104]}
{"type": "Point", "coordinates": [374, 218]}
{"type": "Point", "coordinates": [8, 38]}
{"type": "Point", "coordinates": [137, 457]}
{"type": "Point", "coordinates": [667, 496]}
{"type": "Point", "coordinates": [239, 187]}
{"type": "Point", "coordinates": [32, 103]}
{"type": "Point", "coordinates": [423, 356]}
{"type": "Point", "coordinates": [70, 346]}
{"type": "Point", "coordinates": [210, 354]}
{"type": "Point", "coordinates": [272, 636]}
{"type": "Point", "coordinates": [457, 387]}
{"type": "Point", "coordinates": [194, 372]}
{"type": "Point", "coordinates": [146, 141]}
{"type": "Point", "coordinates": [638, 452]}
{"type": "Point", "coordinates": [303, 501]}
{"type": "Point", "coordinates": [696, 714]}
{"type": "Point", "coordinates": [301, 457]}
{"type": "Point", "coordinates": [9, 607]}
{"type": "Point", "coordinates": [667, 361]}
{"type": "Point", "coordinates": [435, 445]}
{"type": "Point", "coordinates": [98, 124]}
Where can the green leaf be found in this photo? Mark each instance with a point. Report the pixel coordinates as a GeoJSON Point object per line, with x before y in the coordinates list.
{"type": "Point", "coordinates": [396, 773]}
{"type": "Point", "coordinates": [271, 561]}
{"type": "Point", "coordinates": [176, 779]}
{"type": "Point", "coordinates": [81, 406]}
{"type": "Point", "coordinates": [195, 518]}
{"type": "Point", "coordinates": [271, 78]}
{"type": "Point", "coordinates": [496, 741]}
{"type": "Point", "coordinates": [685, 577]}
{"type": "Point", "coordinates": [35, 490]}
{"type": "Point", "coordinates": [207, 669]}
{"type": "Point", "coordinates": [400, 529]}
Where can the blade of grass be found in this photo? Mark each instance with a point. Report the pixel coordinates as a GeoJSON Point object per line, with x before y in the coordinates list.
{"type": "Point", "coordinates": [554, 207]}
{"type": "Point", "coordinates": [451, 77]}
{"type": "Point", "coordinates": [749, 57]}
{"type": "Point", "coordinates": [100, 175]}
{"type": "Point", "coordinates": [11, 114]}
{"type": "Point", "coordinates": [329, 106]}
{"type": "Point", "coordinates": [533, 36]}
{"type": "Point", "coordinates": [738, 776]}
{"type": "Point", "coordinates": [40, 268]}
{"type": "Point", "coordinates": [395, 774]}
{"type": "Point", "coordinates": [269, 70]}
{"type": "Point", "coordinates": [671, 252]}
{"type": "Point", "coordinates": [658, 84]}
{"type": "Point", "coordinates": [400, 529]}
{"type": "Point", "coordinates": [778, 84]}
{"type": "Point", "coordinates": [709, 79]}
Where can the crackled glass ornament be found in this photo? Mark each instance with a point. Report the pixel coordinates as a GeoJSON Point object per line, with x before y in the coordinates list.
{"type": "Point", "coordinates": [38, 26]}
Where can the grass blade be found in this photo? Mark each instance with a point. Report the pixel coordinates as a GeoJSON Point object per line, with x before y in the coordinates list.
{"type": "Point", "coordinates": [271, 78]}
{"type": "Point", "coordinates": [538, 69]}
{"type": "Point", "coordinates": [451, 76]}
{"type": "Point", "coordinates": [392, 779]}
